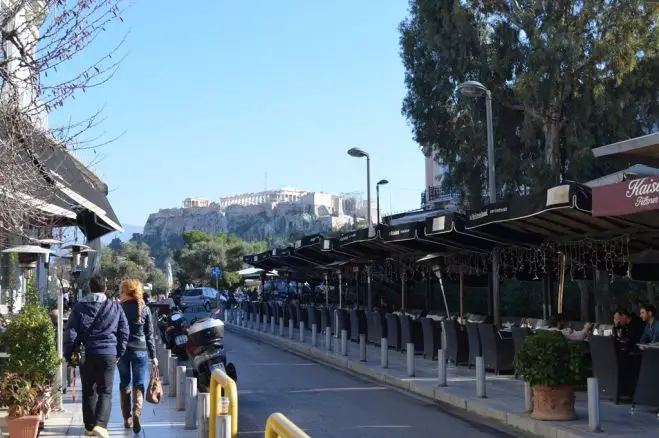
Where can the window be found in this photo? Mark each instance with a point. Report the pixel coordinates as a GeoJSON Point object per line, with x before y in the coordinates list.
{"type": "Point", "coordinates": [193, 293]}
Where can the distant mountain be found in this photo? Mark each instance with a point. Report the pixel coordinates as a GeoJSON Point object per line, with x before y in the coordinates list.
{"type": "Point", "coordinates": [129, 230]}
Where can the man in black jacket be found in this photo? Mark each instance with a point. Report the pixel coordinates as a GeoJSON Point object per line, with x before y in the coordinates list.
{"type": "Point", "coordinates": [99, 325]}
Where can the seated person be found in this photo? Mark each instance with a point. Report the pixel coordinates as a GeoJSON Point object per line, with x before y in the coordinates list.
{"type": "Point", "coordinates": [573, 335]}
{"type": "Point", "coordinates": [628, 328]}
{"type": "Point", "coordinates": [651, 331]}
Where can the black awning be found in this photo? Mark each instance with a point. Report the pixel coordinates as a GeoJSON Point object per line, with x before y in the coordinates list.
{"type": "Point", "coordinates": [448, 229]}
{"type": "Point", "coordinates": [263, 261]}
{"type": "Point", "coordinates": [362, 246]}
{"type": "Point", "coordinates": [559, 213]}
{"type": "Point", "coordinates": [408, 238]}
{"type": "Point", "coordinates": [80, 189]}
{"type": "Point", "coordinates": [318, 249]}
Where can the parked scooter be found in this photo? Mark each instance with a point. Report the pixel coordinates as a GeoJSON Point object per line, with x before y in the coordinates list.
{"type": "Point", "coordinates": [176, 335]}
{"type": "Point", "coordinates": [206, 348]}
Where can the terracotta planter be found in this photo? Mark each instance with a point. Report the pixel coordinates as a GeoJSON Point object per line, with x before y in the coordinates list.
{"type": "Point", "coordinates": [553, 403]}
{"type": "Point", "coordinates": [23, 427]}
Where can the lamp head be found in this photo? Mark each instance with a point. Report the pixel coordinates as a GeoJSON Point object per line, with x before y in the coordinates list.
{"type": "Point", "coordinates": [382, 182]}
{"type": "Point", "coordinates": [357, 153]}
{"type": "Point", "coordinates": [472, 88]}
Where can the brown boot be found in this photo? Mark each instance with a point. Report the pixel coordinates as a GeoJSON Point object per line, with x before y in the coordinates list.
{"type": "Point", "coordinates": [138, 403]}
{"type": "Point", "coordinates": [125, 408]}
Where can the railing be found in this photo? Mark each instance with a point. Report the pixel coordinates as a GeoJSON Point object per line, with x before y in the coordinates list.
{"type": "Point", "coordinates": [219, 379]}
{"type": "Point", "coordinates": [278, 426]}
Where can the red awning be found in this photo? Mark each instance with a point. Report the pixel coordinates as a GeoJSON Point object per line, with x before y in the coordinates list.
{"type": "Point", "coordinates": [626, 198]}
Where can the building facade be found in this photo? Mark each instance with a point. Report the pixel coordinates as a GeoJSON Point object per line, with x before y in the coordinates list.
{"type": "Point", "coordinates": [196, 203]}
{"type": "Point", "coordinates": [433, 195]}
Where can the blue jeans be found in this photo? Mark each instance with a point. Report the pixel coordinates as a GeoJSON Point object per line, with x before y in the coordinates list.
{"type": "Point", "coordinates": [135, 363]}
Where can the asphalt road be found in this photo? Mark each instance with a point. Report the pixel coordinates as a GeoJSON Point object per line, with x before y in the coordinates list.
{"type": "Point", "coordinates": [326, 402]}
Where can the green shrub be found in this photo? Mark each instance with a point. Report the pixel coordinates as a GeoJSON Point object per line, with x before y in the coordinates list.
{"type": "Point", "coordinates": [550, 359]}
{"type": "Point", "coordinates": [31, 344]}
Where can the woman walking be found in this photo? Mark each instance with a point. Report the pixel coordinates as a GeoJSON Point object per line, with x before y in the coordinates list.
{"type": "Point", "coordinates": [141, 347]}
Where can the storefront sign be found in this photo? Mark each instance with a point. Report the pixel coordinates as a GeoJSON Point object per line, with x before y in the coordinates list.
{"type": "Point", "coordinates": [627, 197]}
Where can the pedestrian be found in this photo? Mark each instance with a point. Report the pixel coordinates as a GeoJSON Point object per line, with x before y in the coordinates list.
{"type": "Point", "coordinates": [133, 366]}
{"type": "Point", "coordinates": [99, 326]}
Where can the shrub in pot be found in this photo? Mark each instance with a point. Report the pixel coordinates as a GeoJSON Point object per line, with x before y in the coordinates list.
{"type": "Point", "coordinates": [552, 365]}
{"type": "Point", "coordinates": [25, 401]}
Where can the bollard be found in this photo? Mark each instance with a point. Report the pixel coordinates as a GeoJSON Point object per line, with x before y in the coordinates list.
{"type": "Point", "coordinates": [480, 377]}
{"type": "Point", "coordinates": [223, 426]}
{"type": "Point", "coordinates": [314, 329]}
{"type": "Point", "coordinates": [180, 388]}
{"type": "Point", "coordinates": [362, 347]}
{"type": "Point", "coordinates": [290, 329]}
{"type": "Point", "coordinates": [328, 339]}
{"type": "Point", "coordinates": [272, 325]}
{"type": "Point", "coordinates": [164, 375]}
{"type": "Point", "coordinates": [173, 362]}
{"type": "Point", "coordinates": [384, 352]}
{"type": "Point", "coordinates": [344, 342]}
{"type": "Point", "coordinates": [281, 327]}
{"type": "Point", "coordinates": [265, 323]}
{"type": "Point", "coordinates": [203, 411]}
{"type": "Point", "coordinates": [594, 424]}
{"type": "Point", "coordinates": [190, 403]}
{"type": "Point", "coordinates": [441, 367]}
{"type": "Point", "coordinates": [301, 331]}
{"type": "Point", "coordinates": [410, 359]}
{"type": "Point", "coordinates": [528, 397]}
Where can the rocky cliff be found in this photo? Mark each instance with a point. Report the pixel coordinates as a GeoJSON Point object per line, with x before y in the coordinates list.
{"type": "Point", "coordinates": [163, 230]}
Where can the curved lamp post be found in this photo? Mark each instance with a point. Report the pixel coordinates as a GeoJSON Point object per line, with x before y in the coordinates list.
{"type": "Point", "coordinates": [377, 196]}
{"type": "Point", "coordinates": [474, 88]}
{"type": "Point", "coordinates": [358, 153]}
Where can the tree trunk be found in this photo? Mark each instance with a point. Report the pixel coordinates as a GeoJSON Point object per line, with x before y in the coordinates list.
{"type": "Point", "coordinates": [552, 132]}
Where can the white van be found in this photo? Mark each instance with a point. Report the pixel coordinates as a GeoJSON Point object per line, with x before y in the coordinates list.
{"type": "Point", "coordinates": [205, 297]}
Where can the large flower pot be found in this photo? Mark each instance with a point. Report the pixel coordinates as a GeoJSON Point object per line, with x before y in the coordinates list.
{"type": "Point", "coordinates": [553, 403]}
{"type": "Point", "coordinates": [23, 427]}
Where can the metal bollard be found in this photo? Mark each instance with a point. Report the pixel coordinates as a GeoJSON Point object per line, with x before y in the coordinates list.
{"type": "Point", "coordinates": [594, 424]}
{"type": "Point", "coordinates": [223, 426]}
{"type": "Point", "coordinates": [173, 362]}
{"type": "Point", "coordinates": [384, 352]}
{"type": "Point", "coordinates": [314, 330]}
{"type": "Point", "coordinates": [328, 339]}
{"type": "Point", "coordinates": [362, 347]}
{"type": "Point", "coordinates": [272, 325]}
{"type": "Point", "coordinates": [528, 397]}
{"type": "Point", "coordinates": [290, 329]}
{"type": "Point", "coordinates": [301, 331]}
{"type": "Point", "coordinates": [164, 375]}
{"type": "Point", "coordinates": [281, 327]}
{"type": "Point", "coordinates": [180, 388]}
{"type": "Point", "coordinates": [410, 359]}
{"type": "Point", "coordinates": [265, 323]}
{"type": "Point", "coordinates": [344, 342]}
{"type": "Point", "coordinates": [480, 377]}
{"type": "Point", "coordinates": [191, 403]}
{"type": "Point", "coordinates": [203, 411]}
{"type": "Point", "coordinates": [441, 367]}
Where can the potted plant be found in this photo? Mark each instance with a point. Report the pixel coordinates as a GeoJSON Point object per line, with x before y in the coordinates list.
{"type": "Point", "coordinates": [552, 365]}
{"type": "Point", "coordinates": [25, 401]}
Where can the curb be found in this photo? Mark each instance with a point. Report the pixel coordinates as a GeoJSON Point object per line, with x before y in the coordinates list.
{"type": "Point", "coordinates": [517, 420]}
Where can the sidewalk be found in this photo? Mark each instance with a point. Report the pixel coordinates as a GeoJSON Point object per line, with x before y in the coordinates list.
{"type": "Point", "coordinates": [505, 395]}
{"type": "Point", "coordinates": [161, 420]}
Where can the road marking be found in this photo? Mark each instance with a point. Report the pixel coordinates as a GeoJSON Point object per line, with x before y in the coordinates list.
{"type": "Point", "coordinates": [276, 364]}
{"type": "Point", "coordinates": [377, 426]}
{"type": "Point", "coordinates": [367, 388]}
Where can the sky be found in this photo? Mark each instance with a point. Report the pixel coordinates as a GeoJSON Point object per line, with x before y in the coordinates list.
{"type": "Point", "coordinates": [214, 96]}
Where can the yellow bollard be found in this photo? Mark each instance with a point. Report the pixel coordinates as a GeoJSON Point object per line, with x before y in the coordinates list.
{"type": "Point", "coordinates": [220, 380]}
{"type": "Point", "coordinates": [278, 426]}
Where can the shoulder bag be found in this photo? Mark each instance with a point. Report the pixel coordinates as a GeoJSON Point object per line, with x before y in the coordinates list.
{"type": "Point", "coordinates": [78, 355]}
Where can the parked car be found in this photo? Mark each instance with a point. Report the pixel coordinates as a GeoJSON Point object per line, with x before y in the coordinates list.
{"type": "Point", "coordinates": [205, 297]}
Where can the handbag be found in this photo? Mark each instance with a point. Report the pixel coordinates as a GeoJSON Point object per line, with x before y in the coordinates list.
{"type": "Point", "coordinates": [78, 355]}
{"type": "Point", "coordinates": [154, 391]}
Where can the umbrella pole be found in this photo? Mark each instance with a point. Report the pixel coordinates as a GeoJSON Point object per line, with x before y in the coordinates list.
{"type": "Point", "coordinates": [402, 293]}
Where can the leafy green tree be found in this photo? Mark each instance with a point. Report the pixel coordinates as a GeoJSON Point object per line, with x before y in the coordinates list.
{"type": "Point", "coordinates": [565, 76]}
{"type": "Point", "coordinates": [116, 244]}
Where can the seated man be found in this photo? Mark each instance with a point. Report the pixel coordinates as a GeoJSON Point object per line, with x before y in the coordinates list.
{"type": "Point", "coordinates": [651, 331]}
{"type": "Point", "coordinates": [628, 328]}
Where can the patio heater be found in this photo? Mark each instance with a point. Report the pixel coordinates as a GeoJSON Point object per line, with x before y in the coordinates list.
{"type": "Point", "coordinates": [43, 289]}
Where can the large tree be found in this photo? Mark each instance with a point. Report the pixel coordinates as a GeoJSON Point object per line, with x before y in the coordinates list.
{"type": "Point", "coordinates": [565, 76]}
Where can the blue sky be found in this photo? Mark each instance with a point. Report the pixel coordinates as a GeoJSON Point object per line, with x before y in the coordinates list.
{"type": "Point", "coordinates": [214, 95]}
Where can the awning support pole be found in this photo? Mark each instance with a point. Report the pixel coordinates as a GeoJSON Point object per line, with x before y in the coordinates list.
{"type": "Point", "coordinates": [462, 293]}
{"type": "Point", "coordinates": [340, 290]}
{"type": "Point", "coordinates": [326, 291]}
{"type": "Point", "coordinates": [369, 298]}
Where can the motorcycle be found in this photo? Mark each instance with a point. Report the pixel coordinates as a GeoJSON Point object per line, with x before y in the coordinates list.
{"type": "Point", "coordinates": [206, 348]}
{"type": "Point", "coordinates": [176, 335]}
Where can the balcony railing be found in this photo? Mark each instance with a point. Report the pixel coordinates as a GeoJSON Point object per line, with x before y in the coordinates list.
{"type": "Point", "coordinates": [435, 194]}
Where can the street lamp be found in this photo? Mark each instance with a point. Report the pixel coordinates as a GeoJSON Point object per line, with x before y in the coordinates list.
{"type": "Point", "coordinates": [358, 153]}
{"type": "Point", "coordinates": [474, 88]}
{"type": "Point", "coordinates": [377, 190]}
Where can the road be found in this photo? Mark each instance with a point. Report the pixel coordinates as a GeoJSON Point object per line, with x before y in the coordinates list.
{"type": "Point", "coordinates": [326, 402]}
